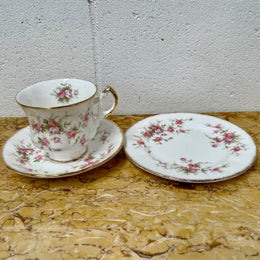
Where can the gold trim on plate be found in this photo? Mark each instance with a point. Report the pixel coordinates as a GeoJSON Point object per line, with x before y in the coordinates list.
{"type": "Point", "coordinates": [189, 180]}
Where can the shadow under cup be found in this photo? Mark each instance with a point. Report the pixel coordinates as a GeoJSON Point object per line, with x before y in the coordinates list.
{"type": "Point", "coordinates": [63, 115]}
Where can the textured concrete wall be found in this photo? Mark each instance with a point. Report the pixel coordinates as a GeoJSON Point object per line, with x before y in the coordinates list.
{"type": "Point", "coordinates": [160, 55]}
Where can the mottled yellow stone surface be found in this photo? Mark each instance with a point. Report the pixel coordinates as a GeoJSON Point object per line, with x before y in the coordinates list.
{"type": "Point", "coordinates": [118, 211]}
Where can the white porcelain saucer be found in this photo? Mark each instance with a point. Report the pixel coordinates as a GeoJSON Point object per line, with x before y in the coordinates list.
{"type": "Point", "coordinates": [190, 148]}
{"type": "Point", "coordinates": [22, 156]}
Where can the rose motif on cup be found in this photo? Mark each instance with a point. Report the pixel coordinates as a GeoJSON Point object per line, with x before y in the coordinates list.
{"type": "Point", "coordinates": [65, 93]}
{"type": "Point", "coordinates": [85, 117]}
{"type": "Point", "coordinates": [43, 141]}
{"type": "Point", "coordinates": [72, 133]}
{"type": "Point", "coordinates": [66, 117]}
{"type": "Point", "coordinates": [59, 131]}
{"type": "Point", "coordinates": [51, 126]}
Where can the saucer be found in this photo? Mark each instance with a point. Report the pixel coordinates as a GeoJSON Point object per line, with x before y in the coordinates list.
{"type": "Point", "coordinates": [190, 147]}
{"type": "Point", "coordinates": [22, 156]}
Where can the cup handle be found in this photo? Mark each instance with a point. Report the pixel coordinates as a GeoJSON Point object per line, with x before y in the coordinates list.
{"type": "Point", "coordinates": [104, 93]}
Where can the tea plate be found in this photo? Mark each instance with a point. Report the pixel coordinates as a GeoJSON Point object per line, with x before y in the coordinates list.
{"type": "Point", "coordinates": [22, 156]}
{"type": "Point", "coordinates": [191, 148]}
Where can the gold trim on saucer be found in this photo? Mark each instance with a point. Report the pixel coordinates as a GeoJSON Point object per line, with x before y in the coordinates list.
{"type": "Point", "coordinates": [69, 174]}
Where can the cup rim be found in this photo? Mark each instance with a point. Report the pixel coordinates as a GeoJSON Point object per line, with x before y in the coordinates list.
{"type": "Point", "coordinates": [56, 107]}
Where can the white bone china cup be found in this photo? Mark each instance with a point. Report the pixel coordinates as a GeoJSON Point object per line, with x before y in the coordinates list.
{"type": "Point", "coordinates": [64, 115]}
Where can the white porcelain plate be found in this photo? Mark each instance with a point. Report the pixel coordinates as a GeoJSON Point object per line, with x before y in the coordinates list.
{"type": "Point", "coordinates": [22, 156]}
{"type": "Point", "coordinates": [190, 147]}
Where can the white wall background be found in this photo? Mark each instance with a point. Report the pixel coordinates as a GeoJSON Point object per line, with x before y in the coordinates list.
{"type": "Point", "coordinates": [160, 55]}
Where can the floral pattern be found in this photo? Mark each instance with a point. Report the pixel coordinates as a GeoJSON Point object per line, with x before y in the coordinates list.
{"type": "Point", "coordinates": [212, 149]}
{"type": "Point", "coordinates": [20, 154]}
{"type": "Point", "coordinates": [27, 154]}
{"type": "Point", "coordinates": [226, 139]}
{"type": "Point", "coordinates": [50, 126]}
{"type": "Point", "coordinates": [92, 160]}
{"type": "Point", "coordinates": [104, 136]}
{"type": "Point", "coordinates": [189, 166]}
{"type": "Point", "coordinates": [65, 93]}
{"type": "Point", "coordinates": [159, 133]}
{"type": "Point", "coordinates": [52, 131]}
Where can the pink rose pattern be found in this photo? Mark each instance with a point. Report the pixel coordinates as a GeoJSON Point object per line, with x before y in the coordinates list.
{"type": "Point", "coordinates": [37, 127]}
{"type": "Point", "coordinates": [85, 117]}
{"type": "Point", "coordinates": [92, 160]}
{"type": "Point", "coordinates": [26, 154]}
{"type": "Point", "coordinates": [82, 141]}
{"type": "Point", "coordinates": [222, 137]}
{"type": "Point", "coordinates": [43, 141]}
{"type": "Point", "coordinates": [51, 126]}
{"type": "Point", "coordinates": [159, 133]}
{"type": "Point", "coordinates": [72, 133]}
{"type": "Point", "coordinates": [189, 166]}
{"type": "Point", "coordinates": [52, 131]}
{"type": "Point", "coordinates": [56, 139]}
{"type": "Point", "coordinates": [65, 93]}
{"type": "Point", "coordinates": [103, 138]}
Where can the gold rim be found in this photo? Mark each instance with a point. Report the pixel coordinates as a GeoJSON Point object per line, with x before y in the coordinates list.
{"type": "Point", "coordinates": [69, 174]}
{"type": "Point", "coordinates": [50, 108]}
{"type": "Point", "coordinates": [188, 180]}
{"type": "Point", "coordinates": [111, 90]}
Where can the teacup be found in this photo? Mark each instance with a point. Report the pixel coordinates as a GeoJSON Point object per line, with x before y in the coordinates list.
{"type": "Point", "coordinates": [64, 115]}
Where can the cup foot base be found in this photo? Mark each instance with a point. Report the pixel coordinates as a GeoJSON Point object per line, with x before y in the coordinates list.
{"type": "Point", "coordinates": [63, 157]}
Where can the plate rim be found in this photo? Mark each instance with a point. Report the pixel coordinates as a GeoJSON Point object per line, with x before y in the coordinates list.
{"type": "Point", "coordinates": [172, 178]}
